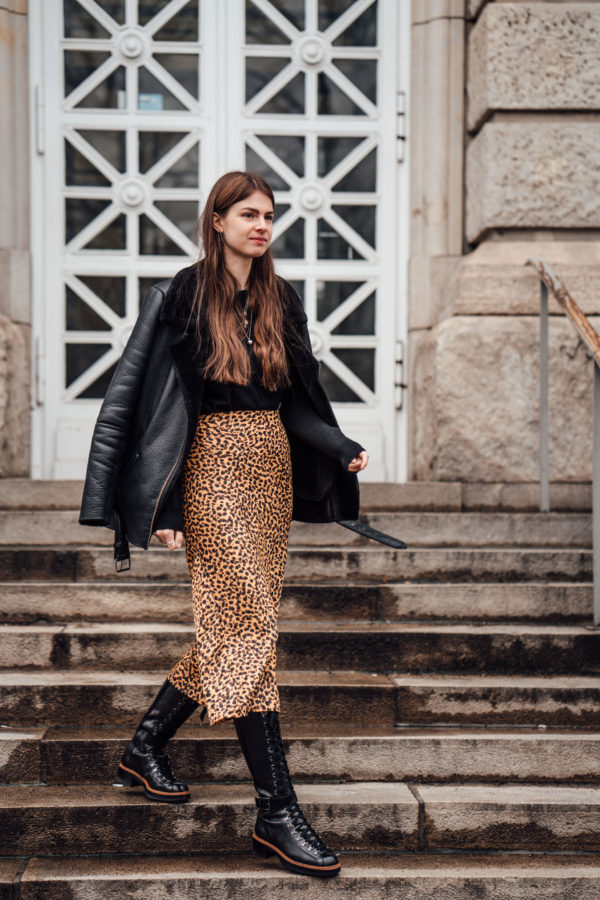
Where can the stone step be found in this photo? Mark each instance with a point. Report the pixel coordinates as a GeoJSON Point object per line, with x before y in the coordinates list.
{"type": "Point", "coordinates": [418, 529]}
{"type": "Point", "coordinates": [335, 564]}
{"type": "Point", "coordinates": [29, 602]}
{"type": "Point", "coordinates": [362, 646]}
{"type": "Point", "coordinates": [312, 698]}
{"type": "Point", "coordinates": [72, 820]}
{"type": "Point", "coordinates": [40, 494]}
{"type": "Point", "coordinates": [363, 876]}
{"type": "Point", "coordinates": [89, 819]}
{"type": "Point", "coordinates": [91, 755]}
{"type": "Point", "coordinates": [447, 496]}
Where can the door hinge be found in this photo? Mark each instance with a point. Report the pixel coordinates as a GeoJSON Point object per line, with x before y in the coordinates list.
{"type": "Point", "coordinates": [40, 123]}
{"type": "Point", "coordinates": [400, 125]}
{"type": "Point", "coordinates": [399, 383]}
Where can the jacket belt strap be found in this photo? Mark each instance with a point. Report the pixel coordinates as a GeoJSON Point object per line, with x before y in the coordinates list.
{"type": "Point", "coordinates": [366, 531]}
{"type": "Point", "coordinates": [121, 546]}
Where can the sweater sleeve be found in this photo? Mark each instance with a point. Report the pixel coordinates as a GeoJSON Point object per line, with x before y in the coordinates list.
{"type": "Point", "coordinates": [302, 419]}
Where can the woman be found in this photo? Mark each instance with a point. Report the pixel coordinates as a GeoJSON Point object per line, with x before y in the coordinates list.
{"type": "Point", "coordinates": [215, 427]}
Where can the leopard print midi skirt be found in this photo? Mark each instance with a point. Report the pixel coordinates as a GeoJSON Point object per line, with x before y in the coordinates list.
{"type": "Point", "coordinates": [237, 510]}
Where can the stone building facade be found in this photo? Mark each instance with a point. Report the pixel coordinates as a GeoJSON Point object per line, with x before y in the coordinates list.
{"type": "Point", "coordinates": [503, 143]}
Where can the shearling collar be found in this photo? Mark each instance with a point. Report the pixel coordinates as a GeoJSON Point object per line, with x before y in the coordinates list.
{"type": "Point", "coordinates": [178, 300]}
{"type": "Point", "coordinates": [175, 308]}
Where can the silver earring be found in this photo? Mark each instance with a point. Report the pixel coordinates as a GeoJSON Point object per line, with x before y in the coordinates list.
{"type": "Point", "coordinates": [220, 236]}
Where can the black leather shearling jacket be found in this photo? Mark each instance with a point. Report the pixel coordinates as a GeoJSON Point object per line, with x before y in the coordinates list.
{"type": "Point", "coordinates": [148, 417]}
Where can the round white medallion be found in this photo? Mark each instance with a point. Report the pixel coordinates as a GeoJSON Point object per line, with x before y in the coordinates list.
{"type": "Point", "coordinates": [311, 197]}
{"type": "Point", "coordinates": [132, 193]}
{"type": "Point", "coordinates": [312, 51]}
{"type": "Point", "coordinates": [131, 43]}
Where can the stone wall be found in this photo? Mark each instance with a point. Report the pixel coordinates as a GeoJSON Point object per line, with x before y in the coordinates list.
{"type": "Point", "coordinates": [15, 336]}
{"type": "Point", "coordinates": [532, 188]}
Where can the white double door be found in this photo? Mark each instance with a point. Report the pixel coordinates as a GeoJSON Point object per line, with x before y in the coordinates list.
{"type": "Point", "coordinates": [137, 107]}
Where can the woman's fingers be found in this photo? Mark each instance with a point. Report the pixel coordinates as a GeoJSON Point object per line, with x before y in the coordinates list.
{"type": "Point", "coordinates": [359, 462]}
{"type": "Point", "coordinates": [173, 540]}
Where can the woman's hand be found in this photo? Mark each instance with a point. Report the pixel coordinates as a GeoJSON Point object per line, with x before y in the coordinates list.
{"type": "Point", "coordinates": [359, 462]}
{"type": "Point", "coordinates": [173, 540]}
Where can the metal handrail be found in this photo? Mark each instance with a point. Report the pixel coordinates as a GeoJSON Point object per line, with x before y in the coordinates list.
{"type": "Point", "coordinates": [549, 281]}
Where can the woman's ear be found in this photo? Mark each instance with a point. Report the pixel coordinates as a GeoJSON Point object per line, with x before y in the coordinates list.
{"type": "Point", "coordinates": [217, 222]}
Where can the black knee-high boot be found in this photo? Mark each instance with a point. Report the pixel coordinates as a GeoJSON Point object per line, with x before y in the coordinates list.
{"type": "Point", "coordinates": [281, 827]}
{"type": "Point", "coordinates": [144, 761]}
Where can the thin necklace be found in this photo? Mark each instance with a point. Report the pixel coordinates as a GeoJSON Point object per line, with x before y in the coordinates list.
{"type": "Point", "coordinates": [246, 325]}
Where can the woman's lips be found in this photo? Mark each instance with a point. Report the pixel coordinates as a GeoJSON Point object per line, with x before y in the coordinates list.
{"type": "Point", "coordinates": [259, 240]}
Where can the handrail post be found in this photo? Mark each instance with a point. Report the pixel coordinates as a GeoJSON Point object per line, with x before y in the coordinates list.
{"type": "Point", "coordinates": [596, 496]}
{"type": "Point", "coordinates": [544, 465]}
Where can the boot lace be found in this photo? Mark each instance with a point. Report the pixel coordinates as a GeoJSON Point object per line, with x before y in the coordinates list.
{"type": "Point", "coordinates": [162, 767]}
{"type": "Point", "coordinates": [303, 828]}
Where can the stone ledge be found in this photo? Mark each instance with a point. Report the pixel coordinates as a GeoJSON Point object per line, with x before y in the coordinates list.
{"type": "Point", "coordinates": [534, 56]}
{"type": "Point", "coordinates": [533, 174]}
{"type": "Point", "coordinates": [495, 280]}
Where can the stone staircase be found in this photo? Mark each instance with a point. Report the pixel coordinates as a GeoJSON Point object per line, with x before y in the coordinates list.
{"type": "Point", "coordinates": [440, 708]}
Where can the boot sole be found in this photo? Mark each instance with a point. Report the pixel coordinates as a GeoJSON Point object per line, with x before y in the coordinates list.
{"type": "Point", "coordinates": [129, 778]}
{"type": "Point", "coordinates": [264, 849]}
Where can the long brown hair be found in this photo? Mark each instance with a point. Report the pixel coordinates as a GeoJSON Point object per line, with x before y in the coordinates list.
{"type": "Point", "coordinates": [216, 323]}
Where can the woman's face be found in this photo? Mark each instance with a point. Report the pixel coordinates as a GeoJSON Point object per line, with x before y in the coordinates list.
{"type": "Point", "coordinates": [247, 226]}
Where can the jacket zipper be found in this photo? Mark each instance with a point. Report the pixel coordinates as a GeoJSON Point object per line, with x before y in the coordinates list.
{"type": "Point", "coordinates": [162, 490]}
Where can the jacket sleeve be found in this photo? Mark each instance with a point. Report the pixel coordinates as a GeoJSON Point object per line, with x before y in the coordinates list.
{"type": "Point", "coordinates": [299, 415]}
{"type": "Point", "coordinates": [112, 425]}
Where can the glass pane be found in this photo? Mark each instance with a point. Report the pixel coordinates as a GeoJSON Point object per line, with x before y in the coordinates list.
{"type": "Point", "coordinates": [153, 145]}
{"type": "Point", "coordinates": [360, 361]}
{"type": "Point", "coordinates": [110, 238]}
{"type": "Point", "coordinates": [362, 73]}
{"type": "Point", "coordinates": [110, 93]}
{"type": "Point", "coordinates": [260, 71]}
{"type": "Point", "coordinates": [183, 214]}
{"type": "Point", "coordinates": [361, 320]}
{"type": "Point", "coordinates": [144, 285]}
{"type": "Point", "coordinates": [79, 65]}
{"type": "Point", "coordinates": [298, 287]}
{"type": "Point", "coordinates": [332, 150]}
{"type": "Point", "coordinates": [183, 67]}
{"type": "Point", "coordinates": [363, 177]}
{"type": "Point", "coordinates": [290, 245]}
{"type": "Point", "coordinates": [109, 288]}
{"type": "Point", "coordinates": [79, 23]}
{"type": "Point", "coordinates": [260, 29]}
{"type": "Point", "coordinates": [79, 357]}
{"type": "Point", "coordinates": [79, 316]}
{"type": "Point", "coordinates": [331, 245]}
{"type": "Point", "coordinates": [329, 10]}
{"type": "Point", "coordinates": [288, 148]}
{"type": "Point", "coordinates": [154, 242]}
{"type": "Point", "coordinates": [147, 9]}
{"type": "Point", "coordinates": [361, 219]}
{"type": "Point", "coordinates": [255, 163]}
{"type": "Point", "coordinates": [292, 10]}
{"type": "Point", "coordinates": [331, 294]}
{"type": "Point", "coordinates": [79, 212]}
{"type": "Point", "coordinates": [362, 32]}
{"type": "Point", "coordinates": [111, 144]}
{"type": "Point", "coordinates": [184, 172]}
{"type": "Point", "coordinates": [332, 101]}
{"type": "Point", "coordinates": [289, 100]}
{"type": "Point", "coordinates": [98, 388]}
{"type": "Point", "coordinates": [336, 389]}
{"type": "Point", "coordinates": [183, 26]}
{"type": "Point", "coordinates": [153, 95]}
{"type": "Point", "coordinates": [80, 171]}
